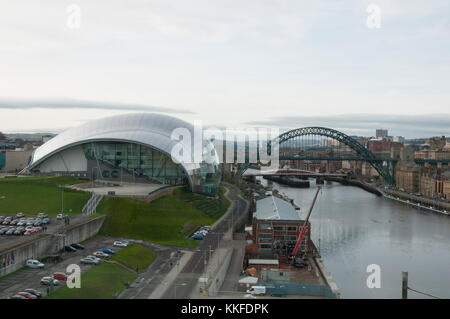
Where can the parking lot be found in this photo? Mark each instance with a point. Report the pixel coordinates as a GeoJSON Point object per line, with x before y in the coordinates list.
{"type": "Point", "coordinates": [30, 278]}
{"type": "Point", "coordinates": [11, 240]}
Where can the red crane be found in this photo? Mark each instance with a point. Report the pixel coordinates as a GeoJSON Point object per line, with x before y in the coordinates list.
{"type": "Point", "coordinates": [305, 224]}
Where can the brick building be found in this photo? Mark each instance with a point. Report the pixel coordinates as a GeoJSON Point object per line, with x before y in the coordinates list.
{"type": "Point", "coordinates": [276, 226]}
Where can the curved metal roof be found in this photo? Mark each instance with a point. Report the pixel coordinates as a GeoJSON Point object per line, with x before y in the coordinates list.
{"type": "Point", "coordinates": [150, 129]}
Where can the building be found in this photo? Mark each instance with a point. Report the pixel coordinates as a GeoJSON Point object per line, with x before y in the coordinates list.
{"type": "Point", "coordinates": [130, 147]}
{"type": "Point", "coordinates": [399, 139]}
{"type": "Point", "coordinates": [407, 177]}
{"type": "Point", "coordinates": [437, 143]}
{"type": "Point", "coordinates": [380, 133]}
{"type": "Point", "coordinates": [432, 154]}
{"type": "Point", "coordinates": [379, 146]}
{"type": "Point", "coordinates": [276, 226]}
{"type": "Point", "coordinates": [13, 160]}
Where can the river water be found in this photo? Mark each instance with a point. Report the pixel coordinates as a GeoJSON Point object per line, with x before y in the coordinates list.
{"type": "Point", "coordinates": [353, 229]}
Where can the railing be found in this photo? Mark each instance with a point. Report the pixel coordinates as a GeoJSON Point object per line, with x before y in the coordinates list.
{"type": "Point", "coordinates": [91, 205]}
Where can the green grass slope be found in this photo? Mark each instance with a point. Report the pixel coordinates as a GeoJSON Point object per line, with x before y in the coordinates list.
{"type": "Point", "coordinates": [162, 220]}
{"type": "Point", "coordinates": [32, 195]}
{"type": "Point", "coordinates": [135, 256]}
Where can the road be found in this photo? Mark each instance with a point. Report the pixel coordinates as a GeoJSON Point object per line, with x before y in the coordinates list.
{"type": "Point", "coordinates": [189, 275]}
{"type": "Point", "coordinates": [30, 278]}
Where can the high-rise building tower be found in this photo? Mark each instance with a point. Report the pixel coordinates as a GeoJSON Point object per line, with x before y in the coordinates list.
{"type": "Point", "coordinates": [380, 133]}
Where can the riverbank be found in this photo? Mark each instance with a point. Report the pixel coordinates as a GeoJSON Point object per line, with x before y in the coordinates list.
{"type": "Point", "coordinates": [436, 205]}
{"type": "Point", "coordinates": [352, 228]}
{"type": "Point", "coordinates": [354, 182]}
{"type": "Point", "coordinates": [289, 181]}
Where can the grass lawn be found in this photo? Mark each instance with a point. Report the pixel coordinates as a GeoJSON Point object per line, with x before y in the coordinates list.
{"type": "Point", "coordinates": [100, 282]}
{"type": "Point", "coordinates": [105, 280]}
{"type": "Point", "coordinates": [135, 256]}
{"type": "Point", "coordinates": [162, 220]}
{"type": "Point", "coordinates": [33, 195]}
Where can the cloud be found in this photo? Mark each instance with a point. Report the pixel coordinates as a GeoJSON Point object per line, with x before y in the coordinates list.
{"type": "Point", "coordinates": [20, 104]}
{"type": "Point", "coordinates": [409, 126]}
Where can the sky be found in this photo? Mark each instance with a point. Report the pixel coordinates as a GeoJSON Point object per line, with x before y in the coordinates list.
{"type": "Point", "coordinates": [228, 63]}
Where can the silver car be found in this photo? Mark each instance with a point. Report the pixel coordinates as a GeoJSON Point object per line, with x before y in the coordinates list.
{"type": "Point", "coordinates": [88, 260]}
{"type": "Point", "coordinates": [47, 281]}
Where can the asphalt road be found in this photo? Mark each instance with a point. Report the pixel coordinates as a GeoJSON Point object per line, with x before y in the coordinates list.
{"type": "Point", "coordinates": [189, 275]}
{"type": "Point", "coordinates": [30, 278]}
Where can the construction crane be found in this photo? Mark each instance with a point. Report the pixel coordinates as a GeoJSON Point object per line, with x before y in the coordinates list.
{"type": "Point", "coordinates": [305, 225]}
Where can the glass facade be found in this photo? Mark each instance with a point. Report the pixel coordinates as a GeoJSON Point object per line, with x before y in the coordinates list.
{"type": "Point", "coordinates": [156, 166]}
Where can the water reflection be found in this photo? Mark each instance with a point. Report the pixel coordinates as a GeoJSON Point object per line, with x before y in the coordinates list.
{"type": "Point", "coordinates": [354, 228]}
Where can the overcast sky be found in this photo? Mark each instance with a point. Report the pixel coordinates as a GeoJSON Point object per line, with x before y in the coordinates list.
{"type": "Point", "coordinates": [233, 63]}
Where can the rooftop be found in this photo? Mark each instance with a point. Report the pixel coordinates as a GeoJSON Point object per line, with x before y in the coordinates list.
{"type": "Point", "coordinates": [273, 208]}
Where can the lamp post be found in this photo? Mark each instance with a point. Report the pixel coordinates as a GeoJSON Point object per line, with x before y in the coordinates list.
{"type": "Point", "coordinates": [62, 198]}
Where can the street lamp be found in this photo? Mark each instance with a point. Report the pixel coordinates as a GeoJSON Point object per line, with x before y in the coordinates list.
{"type": "Point", "coordinates": [182, 284]}
{"type": "Point", "coordinates": [62, 198]}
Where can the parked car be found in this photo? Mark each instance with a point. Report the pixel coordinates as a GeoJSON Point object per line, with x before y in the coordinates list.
{"type": "Point", "coordinates": [77, 246]}
{"type": "Point", "coordinates": [60, 276]}
{"type": "Point", "coordinates": [10, 231]}
{"type": "Point", "coordinates": [34, 292]}
{"type": "Point", "coordinates": [27, 295]}
{"type": "Point", "coordinates": [3, 230]}
{"type": "Point", "coordinates": [197, 237]}
{"type": "Point", "coordinates": [46, 221]}
{"type": "Point", "coordinates": [38, 222]}
{"type": "Point", "coordinates": [107, 251]}
{"type": "Point", "coordinates": [120, 243]}
{"type": "Point", "coordinates": [20, 214]}
{"type": "Point", "coordinates": [19, 231]}
{"type": "Point", "coordinates": [89, 261]}
{"type": "Point", "coordinates": [33, 263]}
{"type": "Point", "coordinates": [60, 216]}
{"type": "Point", "coordinates": [69, 249]}
{"type": "Point", "coordinates": [29, 228]}
{"type": "Point", "coordinates": [42, 215]}
{"type": "Point", "coordinates": [28, 233]}
{"type": "Point", "coordinates": [14, 222]}
{"type": "Point", "coordinates": [22, 223]}
{"type": "Point", "coordinates": [100, 254]}
{"type": "Point", "coordinates": [17, 297]}
{"type": "Point", "coordinates": [48, 280]}
{"type": "Point", "coordinates": [93, 257]}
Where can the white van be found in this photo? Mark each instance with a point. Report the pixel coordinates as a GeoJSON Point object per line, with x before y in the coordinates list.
{"type": "Point", "coordinates": [33, 263]}
{"type": "Point", "coordinates": [257, 290]}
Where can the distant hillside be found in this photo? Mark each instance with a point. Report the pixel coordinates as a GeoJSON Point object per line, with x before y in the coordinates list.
{"type": "Point", "coordinates": [28, 136]}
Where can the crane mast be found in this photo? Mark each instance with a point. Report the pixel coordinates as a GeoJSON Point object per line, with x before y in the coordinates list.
{"type": "Point", "coordinates": [305, 224]}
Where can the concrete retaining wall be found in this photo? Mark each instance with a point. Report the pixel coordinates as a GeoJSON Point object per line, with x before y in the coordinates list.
{"type": "Point", "coordinates": [14, 258]}
{"type": "Point", "coordinates": [219, 277]}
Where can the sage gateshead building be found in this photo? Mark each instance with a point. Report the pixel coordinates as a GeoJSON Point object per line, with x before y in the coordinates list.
{"type": "Point", "coordinates": [128, 148]}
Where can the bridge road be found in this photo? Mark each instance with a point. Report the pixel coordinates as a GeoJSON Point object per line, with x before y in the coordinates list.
{"type": "Point", "coordinates": [188, 277]}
